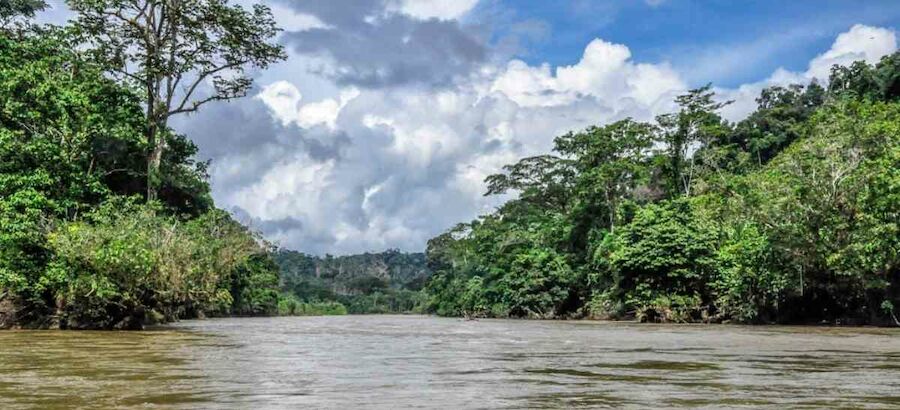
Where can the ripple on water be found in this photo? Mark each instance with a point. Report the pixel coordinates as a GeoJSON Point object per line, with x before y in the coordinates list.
{"type": "Point", "coordinates": [416, 361]}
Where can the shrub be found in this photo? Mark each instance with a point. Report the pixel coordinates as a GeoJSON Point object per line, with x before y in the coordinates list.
{"type": "Point", "coordinates": [124, 259]}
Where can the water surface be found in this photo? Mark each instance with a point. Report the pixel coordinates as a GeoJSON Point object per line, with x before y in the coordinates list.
{"type": "Point", "coordinates": [425, 362]}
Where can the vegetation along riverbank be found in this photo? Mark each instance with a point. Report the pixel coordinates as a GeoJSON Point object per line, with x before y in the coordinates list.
{"type": "Point", "coordinates": [107, 221]}
{"type": "Point", "coordinates": [790, 215]}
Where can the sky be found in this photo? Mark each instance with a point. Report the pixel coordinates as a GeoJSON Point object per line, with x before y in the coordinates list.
{"type": "Point", "coordinates": [378, 130]}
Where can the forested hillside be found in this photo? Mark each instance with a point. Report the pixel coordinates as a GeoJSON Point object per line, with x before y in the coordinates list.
{"type": "Point", "coordinates": [106, 221]}
{"type": "Point", "coordinates": [790, 215]}
{"type": "Point", "coordinates": [386, 282]}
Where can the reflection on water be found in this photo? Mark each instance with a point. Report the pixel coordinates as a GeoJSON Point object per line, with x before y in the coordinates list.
{"type": "Point", "coordinates": [416, 361]}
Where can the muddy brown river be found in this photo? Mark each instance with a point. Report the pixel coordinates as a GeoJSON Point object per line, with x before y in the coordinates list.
{"type": "Point", "coordinates": [392, 362]}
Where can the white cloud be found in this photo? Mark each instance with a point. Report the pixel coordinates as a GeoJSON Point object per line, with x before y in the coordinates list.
{"type": "Point", "coordinates": [291, 188]}
{"type": "Point", "coordinates": [416, 159]}
{"type": "Point", "coordinates": [326, 111]}
{"type": "Point", "coordinates": [861, 42]}
{"type": "Point", "coordinates": [605, 72]}
{"type": "Point", "coordinates": [283, 98]}
{"type": "Point", "coordinates": [289, 20]}
{"type": "Point", "coordinates": [426, 9]}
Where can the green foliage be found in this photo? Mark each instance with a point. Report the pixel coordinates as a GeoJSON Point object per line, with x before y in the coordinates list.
{"type": "Point", "coordinates": [169, 50]}
{"type": "Point", "coordinates": [749, 284]}
{"type": "Point", "coordinates": [73, 251]}
{"type": "Point", "coordinates": [778, 122]}
{"type": "Point", "coordinates": [126, 259]}
{"type": "Point", "coordinates": [386, 282]}
{"type": "Point", "coordinates": [787, 216]}
{"type": "Point", "coordinates": [290, 305]}
{"type": "Point", "coordinates": [829, 207]}
{"type": "Point", "coordinates": [697, 122]}
{"type": "Point", "coordinates": [254, 286]}
{"type": "Point", "coordinates": [537, 284]}
{"type": "Point", "coordinates": [63, 129]}
{"type": "Point", "coordinates": [10, 10]}
{"type": "Point", "coordinates": [387, 301]}
{"type": "Point", "coordinates": [662, 261]}
{"type": "Point", "coordinates": [502, 269]}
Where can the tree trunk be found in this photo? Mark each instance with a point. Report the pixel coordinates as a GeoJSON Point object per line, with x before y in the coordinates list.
{"type": "Point", "coordinates": [153, 164]}
{"type": "Point", "coordinates": [154, 159]}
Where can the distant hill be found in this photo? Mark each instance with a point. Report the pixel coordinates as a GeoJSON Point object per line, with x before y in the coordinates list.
{"type": "Point", "coordinates": [389, 281]}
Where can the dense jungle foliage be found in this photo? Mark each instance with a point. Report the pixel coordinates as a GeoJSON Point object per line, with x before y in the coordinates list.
{"type": "Point", "coordinates": [790, 215]}
{"type": "Point", "coordinates": [91, 234]}
{"type": "Point", "coordinates": [106, 219]}
{"type": "Point", "coordinates": [386, 282]}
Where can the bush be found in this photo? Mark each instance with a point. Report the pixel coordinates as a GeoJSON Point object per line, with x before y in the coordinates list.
{"type": "Point", "coordinates": [289, 305]}
{"type": "Point", "coordinates": [537, 284]}
{"type": "Point", "coordinates": [662, 261]}
{"type": "Point", "coordinates": [748, 286]}
{"type": "Point", "coordinates": [125, 259]}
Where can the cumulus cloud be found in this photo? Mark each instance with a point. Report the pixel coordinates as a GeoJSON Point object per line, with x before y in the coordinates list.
{"type": "Point", "coordinates": [284, 100]}
{"type": "Point", "coordinates": [860, 42]}
{"type": "Point", "coordinates": [289, 20]}
{"type": "Point", "coordinates": [605, 72]}
{"type": "Point", "coordinates": [393, 166]}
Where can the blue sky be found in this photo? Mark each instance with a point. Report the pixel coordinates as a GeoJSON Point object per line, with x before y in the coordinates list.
{"type": "Point", "coordinates": [756, 36]}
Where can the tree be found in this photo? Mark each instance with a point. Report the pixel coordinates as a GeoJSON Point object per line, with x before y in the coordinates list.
{"type": "Point", "coordinates": [610, 162]}
{"type": "Point", "coordinates": [861, 80]}
{"type": "Point", "coordinates": [789, 216]}
{"type": "Point", "coordinates": [828, 204]}
{"type": "Point", "coordinates": [65, 132]}
{"type": "Point", "coordinates": [12, 9]}
{"type": "Point", "coordinates": [543, 180]}
{"type": "Point", "coordinates": [171, 49]}
{"type": "Point", "coordinates": [778, 120]}
{"type": "Point", "coordinates": [694, 125]}
{"type": "Point", "coordinates": [858, 80]}
{"type": "Point", "coordinates": [888, 74]}
{"type": "Point", "coordinates": [663, 260]}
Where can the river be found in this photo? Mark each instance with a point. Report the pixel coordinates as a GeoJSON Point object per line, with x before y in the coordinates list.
{"type": "Point", "coordinates": [391, 362]}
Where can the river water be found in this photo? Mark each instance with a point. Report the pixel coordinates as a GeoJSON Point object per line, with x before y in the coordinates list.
{"type": "Point", "coordinates": [347, 362]}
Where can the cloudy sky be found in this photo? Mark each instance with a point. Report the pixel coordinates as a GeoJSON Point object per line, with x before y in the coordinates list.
{"type": "Point", "coordinates": [379, 129]}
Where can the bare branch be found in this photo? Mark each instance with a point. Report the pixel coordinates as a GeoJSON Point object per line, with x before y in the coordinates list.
{"type": "Point", "coordinates": [200, 78]}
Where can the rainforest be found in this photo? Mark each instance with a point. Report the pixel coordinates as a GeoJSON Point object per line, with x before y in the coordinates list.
{"type": "Point", "coordinates": [788, 216]}
{"type": "Point", "coordinates": [791, 215]}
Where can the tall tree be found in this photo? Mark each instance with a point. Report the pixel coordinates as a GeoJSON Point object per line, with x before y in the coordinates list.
{"type": "Point", "coordinates": [610, 161]}
{"type": "Point", "coordinates": [695, 124]}
{"type": "Point", "coordinates": [543, 180]}
{"type": "Point", "coordinates": [170, 49]}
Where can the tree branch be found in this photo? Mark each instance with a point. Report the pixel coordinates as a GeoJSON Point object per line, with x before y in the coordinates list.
{"type": "Point", "coordinates": [202, 76]}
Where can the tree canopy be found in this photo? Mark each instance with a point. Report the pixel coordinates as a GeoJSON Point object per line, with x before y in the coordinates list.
{"type": "Point", "coordinates": [789, 215]}
{"type": "Point", "coordinates": [81, 245]}
{"type": "Point", "coordinates": [170, 50]}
